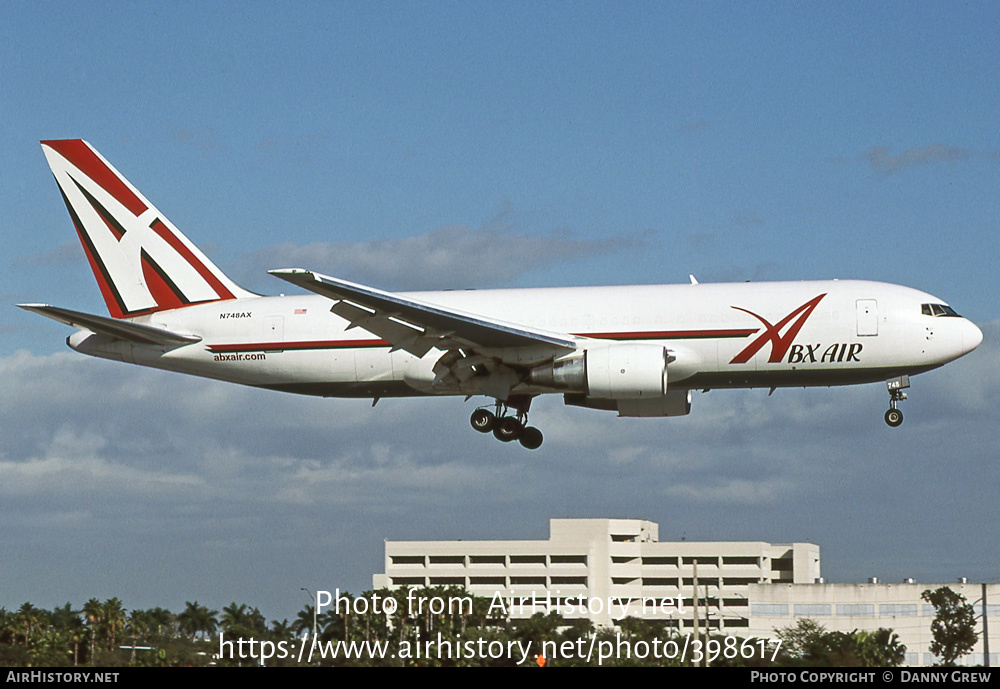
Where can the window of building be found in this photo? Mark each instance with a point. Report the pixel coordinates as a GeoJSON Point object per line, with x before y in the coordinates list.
{"type": "Point", "coordinates": [898, 609]}
{"type": "Point", "coordinates": [811, 609]}
{"type": "Point", "coordinates": [527, 559]}
{"type": "Point", "coordinates": [856, 609]}
{"type": "Point", "coordinates": [487, 560]}
{"type": "Point", "coordinates": [527, 580]}
{"type": "Point", "coordinates": [769, 609]}
{"type": "Point", "coordinates": [782, 564]}
{"type": "Point", "coordinates": [659, 560]}
{"type": "Point", "coordinates": [701, 560]}
{"type": "Point", "coordinates": [568, 559]}
{"type": "Point", "coordinates": [741, 561]}
{"type": "Point", "coordinates": [447, 559]}
{"type": "Point", "coordinates": [407, 560]}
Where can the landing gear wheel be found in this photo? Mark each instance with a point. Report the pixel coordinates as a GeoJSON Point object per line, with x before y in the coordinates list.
{"type": "Point", "coordinates": [483, 420]}
{"type": "Point", "coordinates": [894, 417]}
{"type": "Point", "coordinates": [896, 387]}
{"type": "Point", "coordinates": [507, 429]}
{"type": "Point", "coordinates": [531, 438]}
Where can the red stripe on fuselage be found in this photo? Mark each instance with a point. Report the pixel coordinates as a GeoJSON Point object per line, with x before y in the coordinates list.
{"type": "Point", "coordinates": [308, 344]}
{"type": "Point", "coordinates": [672, 334]}
{"type": "Point", "coordinates": [358, 344]}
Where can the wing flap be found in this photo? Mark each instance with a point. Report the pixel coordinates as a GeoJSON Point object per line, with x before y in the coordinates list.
{"type": "Point", "coordinates": [120, 329]}
{"type": "Point", "coordinates": [444, 326]}
{"type": "Point", "coordinates": [400, 335]}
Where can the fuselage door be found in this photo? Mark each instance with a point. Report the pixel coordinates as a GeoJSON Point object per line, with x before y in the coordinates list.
{"type": "Point", "coordinates": [867, 317]}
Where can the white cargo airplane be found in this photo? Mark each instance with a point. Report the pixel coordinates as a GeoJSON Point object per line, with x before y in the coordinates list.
{"type": "Point", "coordinates": [638, 350]}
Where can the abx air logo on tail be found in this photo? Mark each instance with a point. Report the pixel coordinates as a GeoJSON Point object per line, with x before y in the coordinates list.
{"type": "Point", "coordinates": [142, 263]}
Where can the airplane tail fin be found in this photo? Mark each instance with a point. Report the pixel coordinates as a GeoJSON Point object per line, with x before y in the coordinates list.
{"type": "Point", "coordinates": [143, 264]}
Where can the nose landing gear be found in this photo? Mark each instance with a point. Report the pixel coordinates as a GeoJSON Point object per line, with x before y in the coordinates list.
{"type": "Point", "coordinates": [894, 417]}
{"type": "Point", "coordinates": [508, 427]}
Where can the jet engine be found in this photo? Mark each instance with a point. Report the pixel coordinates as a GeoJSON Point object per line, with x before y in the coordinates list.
{"type": "Point", "coordinates": [628, 378]}
{"type": "Point", "coordinates": [618, 371]}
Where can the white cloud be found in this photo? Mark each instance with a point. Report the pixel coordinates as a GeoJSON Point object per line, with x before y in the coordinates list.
{"type": "Point", "coordinates": [446, 257]}
{"type": "Point", "coordinates": [226, 478]}
{"type": "Point", "coordinates": [884, 161]}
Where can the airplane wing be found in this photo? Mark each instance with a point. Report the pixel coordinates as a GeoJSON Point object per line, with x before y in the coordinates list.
{"type": "Point", "coordinates": [120, 329]}
{"type": "Point", "coordinates": [417, 326]}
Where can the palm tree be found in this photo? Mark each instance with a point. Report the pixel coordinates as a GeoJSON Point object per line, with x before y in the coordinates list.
{"type": "Point", "coordinates": [197, 618]}
{"type": "Point", "coordinates": [8, 627]}
{"type": "Point", "coordinates": [281, 630]}
{"type": "Point", "coordinates": [331, 626]}
{"type": "Point", "coordinates": [234, 619]}
{"type": "Point", "coordinates": [93, 612]}
{"type": "Point", "coordinates": [140, 622]}
{"type": "Point", "coordinates": [114, 620]}
{"type": "Point", "coordinates": [304, 621]}
{"type": "Point", "coordinates": [257, 623]}
{"type": "Point", "coordinates": [31, 619]}
{"type": "Point", "coordinates": [69, 622]}
{"type": "Point", "coordinates": [344, 615]}
{"type": "Point", "coordinates": [163, 621]}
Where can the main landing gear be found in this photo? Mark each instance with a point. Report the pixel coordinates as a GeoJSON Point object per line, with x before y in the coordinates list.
{"type": "Point", "coordinates": [507, 427]}
{"type": "Point", "coordinates": [894, 417]}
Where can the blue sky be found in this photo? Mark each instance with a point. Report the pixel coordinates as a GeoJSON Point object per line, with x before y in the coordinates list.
{"type": "Point", "coordinates": [427, 145]}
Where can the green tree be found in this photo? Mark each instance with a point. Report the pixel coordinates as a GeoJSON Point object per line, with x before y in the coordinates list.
{"type": "Point", "coordinates": [803, 642]}
{"type": "Point", "coordinates": [93, 614]}
{"type": "Point", "coordinates": [808, 643]}
{"type": "Point", "coordinates": [115, 618]}
{"type": "Point", "coordinates": [140, 625]}
{"type": "Point", "coordinates": [880, 648]}
{"type": "Point", "coordinates": [69, 622]}
{"type": "Point", "coordinates": [303, 623]}
{"type": "Point", "coordinates": [197, 619]}
{"type": "Point", "coordinates": [954, 625]}
{"type": "Point", "coordinates": [31, 621]}
{"type": "Point", "coordinates": [240, 621]}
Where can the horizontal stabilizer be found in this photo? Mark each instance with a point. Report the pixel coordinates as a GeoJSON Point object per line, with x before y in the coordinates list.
{"type": "Point", "coordinates": [432, 320]}
{"type": "Point", "coordinates": [120, 329]}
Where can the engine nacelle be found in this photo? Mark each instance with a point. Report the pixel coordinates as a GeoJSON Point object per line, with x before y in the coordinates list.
{"type": "Point", "coordinates": [674, 403]}
{"type": "Point", "coordinates": [617, 372]}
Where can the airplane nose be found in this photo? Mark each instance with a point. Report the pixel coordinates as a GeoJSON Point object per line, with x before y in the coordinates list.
{"type": "Point", "coordinates": [972, 336]}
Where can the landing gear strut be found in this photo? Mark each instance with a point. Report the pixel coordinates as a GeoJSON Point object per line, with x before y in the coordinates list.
{"type": "Point", "coordinates": [508, 427]}
{"type": "Point", "coordinates": [894, 417]}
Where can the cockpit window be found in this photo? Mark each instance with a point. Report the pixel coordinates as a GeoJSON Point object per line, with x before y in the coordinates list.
{"type": "Point", "coordinates": [938, 310]}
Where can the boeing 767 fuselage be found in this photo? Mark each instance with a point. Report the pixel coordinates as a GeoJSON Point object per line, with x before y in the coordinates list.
{"type": "Point", "coordinates": [638, 350]}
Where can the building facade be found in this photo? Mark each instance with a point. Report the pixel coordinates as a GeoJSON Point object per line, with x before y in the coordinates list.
{"type": "Point", "coordinates": [900, 607]}
{"type": "Point", "coordinates": [607, 569]}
